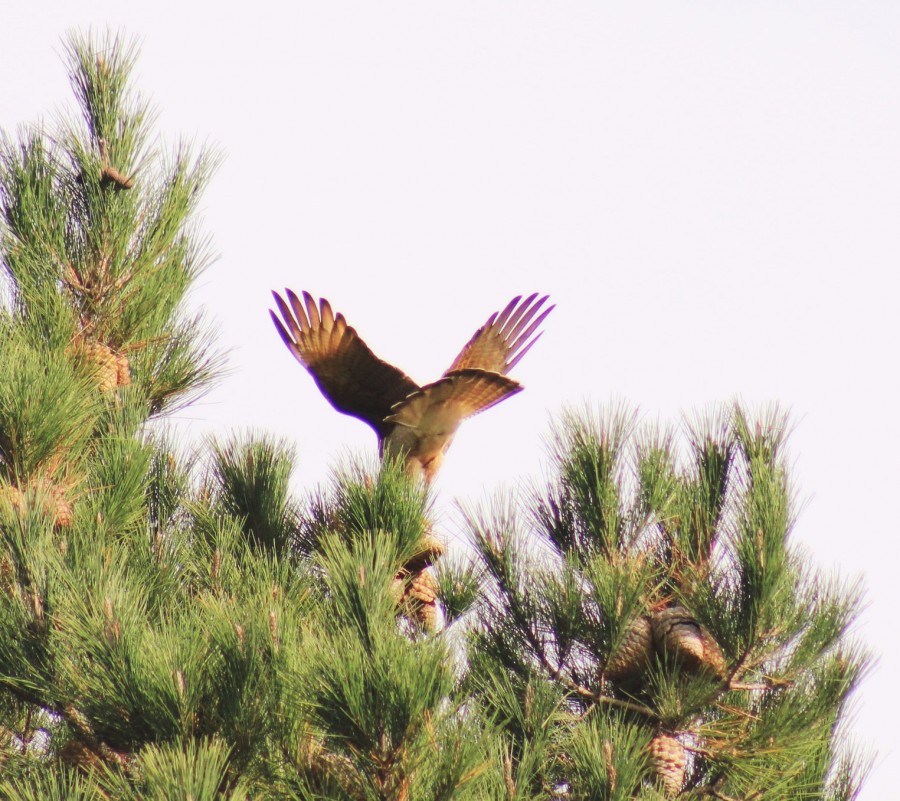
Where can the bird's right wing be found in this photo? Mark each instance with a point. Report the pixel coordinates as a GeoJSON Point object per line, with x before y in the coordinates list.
{"type": "Point", "coordinates": [353, 379]}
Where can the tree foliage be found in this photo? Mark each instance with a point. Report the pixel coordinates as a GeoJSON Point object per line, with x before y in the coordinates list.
{"type": "Point", "coordinates": [654, 588]}
{"type": "Point", "coordinates": [182, 626]}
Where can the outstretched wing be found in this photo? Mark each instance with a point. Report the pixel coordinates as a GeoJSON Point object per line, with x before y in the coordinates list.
{"type": "Point", "coordinates": [353, 379]}
{"type": "Point", "coordinates": [505, 338]}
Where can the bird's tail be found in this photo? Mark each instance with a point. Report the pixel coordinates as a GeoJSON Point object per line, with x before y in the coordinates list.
{"type": "Point", "coordinates": [443, 405]}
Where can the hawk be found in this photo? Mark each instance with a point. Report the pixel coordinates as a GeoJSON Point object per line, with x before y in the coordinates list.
{"type": "Point", "coordinates": [414, 422]}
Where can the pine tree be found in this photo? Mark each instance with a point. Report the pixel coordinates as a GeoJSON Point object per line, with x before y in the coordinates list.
{"type": "Point", "coordinates": [178, 625]}
{"type": "Point", "coordinates": [650, 632]}
{"type": "Point", "coordinates": [98, 250]}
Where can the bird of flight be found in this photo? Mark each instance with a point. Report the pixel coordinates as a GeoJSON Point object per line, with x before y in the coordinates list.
{"type": "Point", "coordinates": [412, 422]}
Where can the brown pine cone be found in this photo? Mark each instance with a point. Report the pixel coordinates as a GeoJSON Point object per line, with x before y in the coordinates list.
{"type": "Point", "coordinates": [419, 593]}
{"type": "Point", "coordinates": [322, 764]}
{"type": "Point", "coordinates": [634, 651]}
{"type": "Point", "coordinates": [78, 755]}
{"type": "Point", "coordinates": [423, 588]}
{"type": "Point", "coordinates": [102, 361]}
{"type": "Point", "coordinates": [63, 513]}
{"type": "Point", "coordinates": [123, 370]}
{"type": "Point", "coordinates": [678, 634]}
{"type": "Point", "coordinates": [13, 496]}
{"type": "Point", "coordinates": [430, 550]}
{"type": "Point", "coordinates": [427, 615]}
{"type": "Point", "coordinates": [55, 503]}
{"type": "Point", "coordinates": [398, 587]}
{"type": "Point", "coordinates": [669, 759]}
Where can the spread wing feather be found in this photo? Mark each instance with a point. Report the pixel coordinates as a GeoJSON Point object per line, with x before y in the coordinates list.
{"type": "Point", "coordinates": [440, 407]}
{"type": "Point", "coordinates": [353, 379]}
{"type": "Point", "coordinates": [505, 338]}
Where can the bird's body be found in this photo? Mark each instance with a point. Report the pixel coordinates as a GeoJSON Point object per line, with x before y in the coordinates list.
{"type": "Point", "coordinates": [412, 422]}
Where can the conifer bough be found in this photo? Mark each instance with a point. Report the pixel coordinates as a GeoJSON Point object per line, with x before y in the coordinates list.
{"type": "Point", "coordinates": [647, 623]}
{"type": "Point", "coordinates": [638, 627]}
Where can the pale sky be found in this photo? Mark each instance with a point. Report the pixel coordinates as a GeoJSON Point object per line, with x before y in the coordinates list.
{"type": "Point", "coordinates": [710, 192]}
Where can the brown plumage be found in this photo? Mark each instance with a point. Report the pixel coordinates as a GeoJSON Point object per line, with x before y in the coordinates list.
{"type": "Point", "coordinates": [415, 422]}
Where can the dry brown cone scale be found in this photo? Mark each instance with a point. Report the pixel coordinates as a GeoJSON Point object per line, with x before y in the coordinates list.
{"type": "Point", "coordinates": [55, 502]}
{"type": "Point", "coordinates": [430, 550]}
{"type": "Point", "coordinates": [123, 370]}
{"type": "Point", "coordinates": [423, 588]}
{"type": "Point", "coordinates": [679, 635]}
{"type": "Point", "coordinates": [633, 655]}
{"type": "Point", "coordinates": [423, 592]}
{"type": "Point", "coordinates": [112, 369]}
{"type": "Point", "coordinates": [419, 593]}
{"type": "Point", "coordinates": [669, 760]}
{"type": "Point", "coordinates": [415, 585]}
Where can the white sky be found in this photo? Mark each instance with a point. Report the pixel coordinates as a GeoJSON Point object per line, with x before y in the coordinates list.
{"type": "Point", "coordinates": [709, 191]}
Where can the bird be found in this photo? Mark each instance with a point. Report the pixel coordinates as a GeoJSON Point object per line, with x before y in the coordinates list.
{"type": "Point", "coordinates": [412, 422]}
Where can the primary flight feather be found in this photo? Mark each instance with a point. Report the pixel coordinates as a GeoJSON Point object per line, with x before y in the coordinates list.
{"type": "Point", "coordinates": [417, 423]}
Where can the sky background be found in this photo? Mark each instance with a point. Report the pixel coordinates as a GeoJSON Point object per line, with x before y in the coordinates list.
{"type": "Point", "coordinates": [710, 192]}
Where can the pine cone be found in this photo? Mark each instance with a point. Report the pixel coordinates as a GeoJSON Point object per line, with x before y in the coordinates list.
{"type": "Point", "coordinates": [713, 658]}
{"type": "Point", "coordinates": [398, 587]}
{"type": "Point", "coordinates": [102, 360]}
{"type": "Point", "coordinates": [123, 370]}
{"type": "Point", "coordinates": [13, 496]}
{"type": "Point", "coordinates": [423, 588]}
{"type": "Point", "coordinates": [63, 513]}
{"type": "Point", "coordinates": [427, 615]}
{"type": "Point", "coordinates": [678, 634]}
{"type": "Point", "coordinates": [669, 759]}
{"type": "Point", "coordinates": [322, 765]}
{"type": "Point", "coordinates": [633, 653]}
{"type": "Point", "coordinates": [78, 755]}
{"type": "Point", "coordinates": [423, 593]}
{"type": "Point", "coordinates": [8, 578]}
{"type": "Point", "coordinates": [430, 550]}
{"type": "Point", "coordinates": [56, 504]}
{"type": "Point", "coordinates": [420, 595]}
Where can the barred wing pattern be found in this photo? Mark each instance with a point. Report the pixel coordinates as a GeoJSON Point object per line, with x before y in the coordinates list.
{"type": "Point", "coordinates": [353, 379]}
{"type": "Point", "coordinates": [415, 422]}
{"type": "Point", "coordinates": [504, 339]}
{"type": "Point", "coordinates": [477, 378]}
{"type": "Point", "coordinates": [443, 405]}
